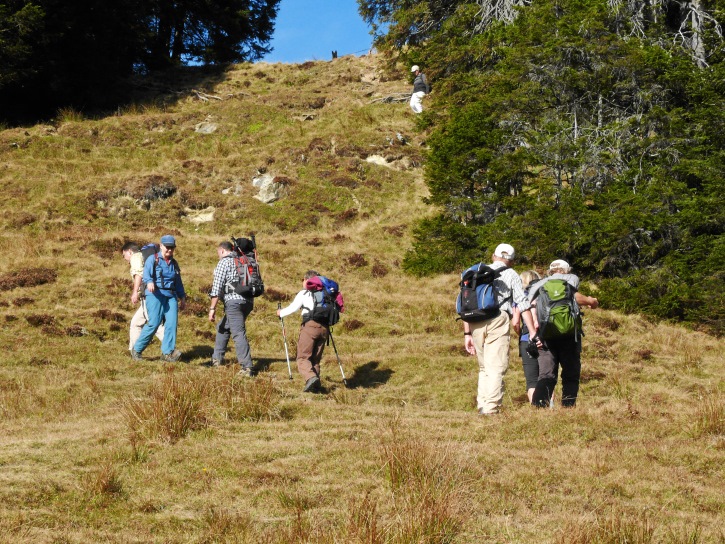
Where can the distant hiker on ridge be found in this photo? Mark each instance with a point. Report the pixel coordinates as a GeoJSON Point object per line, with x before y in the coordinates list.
{"type": "Point", "coordinates": [165, 296]}
{"type": "Point", "coordinates": [559, 338]}
{"type": "Point", "coordinates": [420, 89]}
{"type": "Point", "coordinates": [134, 257]}
{"type": "Point", "coordinates": [485, 306]}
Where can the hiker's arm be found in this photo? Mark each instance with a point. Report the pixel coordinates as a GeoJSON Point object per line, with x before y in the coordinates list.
{"type": "Point", "coordinates": [468, 344]}
{"type": "Point", "coordinates": [516, 320]}
{"type": "Point", "coordinates": [136, 287]}
{"type": "Point", "coordinates": [293, 307]}
{"type": "Point", "coordinates": [212, 308]}
{"type": "Point", "coordinates": [583, 300]}
{"type": "Point", "coordinates": [530, 324]}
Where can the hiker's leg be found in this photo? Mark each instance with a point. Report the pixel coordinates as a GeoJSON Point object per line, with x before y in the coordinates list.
{"type": "Point", "coordinates": [548, 369]}
{"type": "Point", "coordinates": [320, 334]}
{"type": "Point", "coordinates": [493, 361]}
{"type": "Point", "coordinates": [137, 322]}
{"type": "Point", "coordinates": [571, 366]}
{"type": "Point", "coordinates": [161, 330]}
{"type": "Point", "coordinates": [305, 350]}
{"type": "Point", "coordinates": [416, 102]}
{"type": "Point", "coordinates": [171, 316]}
{"type": "Point", "coordinates": [222, 337]}
{"type": "Point", "coordinates": [237, 311]}
{"type": "Point", "coordinates": [154, 313]}
{"type": "Point", "coordinates": [531, 369]}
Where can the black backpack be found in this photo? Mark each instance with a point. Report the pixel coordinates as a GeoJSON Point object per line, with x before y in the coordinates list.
{"type": "Point", "coordinates": [325, 310]}
{"type": "Point", "coordinates": [478, 299]}
{"type": "Point", "coordinates": [248, 282]}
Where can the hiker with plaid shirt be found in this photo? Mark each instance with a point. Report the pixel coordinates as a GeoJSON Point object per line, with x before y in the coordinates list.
{"type": "Point", "coordinates": [236, 310]}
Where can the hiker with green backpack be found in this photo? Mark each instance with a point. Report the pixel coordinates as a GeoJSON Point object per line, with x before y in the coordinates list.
{"type": "Point", "coordinates": [485, 305]}
{"type": "Point", "coordinates": [558, 339]}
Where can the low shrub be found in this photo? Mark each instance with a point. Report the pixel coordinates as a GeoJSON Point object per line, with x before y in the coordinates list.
{"type": "Point", "coordinates": [27, 278]}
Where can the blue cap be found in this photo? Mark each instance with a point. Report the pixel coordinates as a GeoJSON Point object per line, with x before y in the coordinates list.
{"type": "Point", "coordinates": [168, 240]}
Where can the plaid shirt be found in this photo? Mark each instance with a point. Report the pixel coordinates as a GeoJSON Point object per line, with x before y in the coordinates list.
{"type": "Point", "coordinates": [510, 289]}
{"type": "Point", "coordinates": [224, 273]}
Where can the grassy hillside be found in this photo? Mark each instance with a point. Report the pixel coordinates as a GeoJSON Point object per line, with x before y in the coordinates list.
{"type": "Point", "coordinates": [97, 448]}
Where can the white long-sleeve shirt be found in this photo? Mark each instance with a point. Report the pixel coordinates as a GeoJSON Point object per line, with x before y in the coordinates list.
{"type": "Point", "coordinates": [303, 300]}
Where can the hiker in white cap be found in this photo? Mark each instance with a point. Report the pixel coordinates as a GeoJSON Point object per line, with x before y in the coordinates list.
{"type": "Point", "coordinates": [420, 89]}
{"type": "Point", "coordinates": [486, 330]}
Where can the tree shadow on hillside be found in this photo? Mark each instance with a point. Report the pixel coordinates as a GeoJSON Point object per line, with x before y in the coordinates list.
{"type": "Point", "coordinates": [369, 376]}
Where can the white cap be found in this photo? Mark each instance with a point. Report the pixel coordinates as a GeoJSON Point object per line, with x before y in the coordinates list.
{"type": "Point", "coordinates": [415, 68]}
{"type": "Point", "coordinates": [505, 251]}
{"type": "Point", "coordinates": [561, 264]}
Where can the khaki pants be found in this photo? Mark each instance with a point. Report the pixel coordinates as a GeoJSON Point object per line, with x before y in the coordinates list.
{"type": "Point", "coordinates": [491, 338]}
{"type": "Point", "coordinates": [138, 320]}
{"type": "Point", "coordinates": [310, 346]}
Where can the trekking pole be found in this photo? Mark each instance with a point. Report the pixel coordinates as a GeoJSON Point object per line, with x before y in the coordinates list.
{"type": "Point", "coordinates": [344, 380]}
{"type": "Point", "coordinates": [284, 335]}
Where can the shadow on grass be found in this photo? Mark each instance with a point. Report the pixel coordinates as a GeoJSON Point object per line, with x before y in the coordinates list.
{"type": "Point", "coordinates": [369, 376]}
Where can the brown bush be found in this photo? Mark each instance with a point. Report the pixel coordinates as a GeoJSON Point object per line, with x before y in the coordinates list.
{"type": "Point", "coordinates": [607, 323]}
{"type": "Point", "coordinates": [22, 301]}
{"type": "Point", "coordinates": [27, 278]}
{"type": "Point", "coordinates": [108, 315]}
{"type": "Point", "coordinates": [317, 103]}
{"type": "Point", "coordinates": [4, 304]}
{"type": "Point", "coordinates": [644, 354]}
{"type": "Point", "coordinates": [352, 325]}
{"type": "Point", "coordinates": [379, 270]}
{"type": "Point", "coordinates": [347, 215]}
{"type": "Point", "coordinates": [22, 219]}
{"type": "Point", "coordinates": [339, 238]}
{"type": "Point", "coordinates": [314, 242]}
{"type": "Point", "coordinates": [357, 260]}
{"type": "Point", "coordinates": [274, 295]}
{"type": "Point", "coordinates": [259, 74]}
{"type": "Point", "coordinates": [106, 249]}
{"type": "Point", "coordinates": [113, 327]}
{"type": "Point", "coordinates": [205, 335]}
{"type": "Point", "coordinates": [196, 307]}
{"type": "Point", "coordinates": [76, 330]}
{"type": "Point", "coordinates": [38, 320]}
{"type": "Point", "coordinates": [307, 65]}
{"type": "Point", "coordinates": [345, 182]}
{"type": "Point", "coordinates": [9, 318]}
{"type": "Point", "coordinates": [318, 144]}
{"type": "Point", "coordinates": [395, 230]}
{"type": "Point", "coordinates": [52, 330]}
{"type": "Point", "coordinates": [40, 361]}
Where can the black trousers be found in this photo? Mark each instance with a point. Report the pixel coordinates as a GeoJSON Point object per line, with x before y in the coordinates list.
{"type": "Point", "coordinates": [564, 352]}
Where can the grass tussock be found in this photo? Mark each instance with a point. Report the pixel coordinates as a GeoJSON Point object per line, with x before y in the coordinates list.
{"type": "Point", "coordinates": [103, 482]}
{"type": "Point", "coordinates": [709, 416]}
{"type": "Point", "coordinates": [179, 403]}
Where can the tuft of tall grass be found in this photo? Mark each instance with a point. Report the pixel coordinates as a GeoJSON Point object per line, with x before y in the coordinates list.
{"type": "Point", "coordinates": [614, 529]}
{"type": "Point", "coordinates": [69, 115]}
{"type": "Point", "coordinates": [709, 416]}
{"type": "Point", "coordinates": [429, 484]}
{"type": "Point", "coordinates": [175, 405]}
{"type": "Point", "coordinates": [226, 526]}
{"type": "Point", "coordinates": [242, 399]}
{"type": "Point", "coordinates": [103, 482]}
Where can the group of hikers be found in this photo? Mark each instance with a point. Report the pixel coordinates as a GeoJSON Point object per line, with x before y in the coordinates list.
{"type": "Point", "coordinates": [159, 290]}
{"type": "Point", "coordinates": [493, 298]}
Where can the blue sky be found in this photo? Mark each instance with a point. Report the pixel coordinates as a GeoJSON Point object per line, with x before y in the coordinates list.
{"type": "Point", "coordinates": [312, 29]}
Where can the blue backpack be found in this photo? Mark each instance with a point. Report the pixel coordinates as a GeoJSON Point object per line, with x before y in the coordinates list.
{"type": "Point", "coordinates": [478, 299]}
{"type": "Point", "coordinates": [326, 309]}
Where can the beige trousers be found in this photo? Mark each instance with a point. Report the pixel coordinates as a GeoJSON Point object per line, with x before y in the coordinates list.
{"type": "Point", "coordinates": [138, 320]}
{"type": "Point", "coordinates": [491, 338]}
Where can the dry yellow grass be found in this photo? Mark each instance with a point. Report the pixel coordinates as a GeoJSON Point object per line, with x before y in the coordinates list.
{"type": "Point", "coordinates": [97, 448]}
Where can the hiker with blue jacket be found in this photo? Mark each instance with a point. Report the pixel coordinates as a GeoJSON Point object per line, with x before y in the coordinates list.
{"type": "Point", "coordinates": [165, 296]}
{"type": "Point", "coordinates": [487, 334]}
{"type": "Point", "coordinates": [558, 339]}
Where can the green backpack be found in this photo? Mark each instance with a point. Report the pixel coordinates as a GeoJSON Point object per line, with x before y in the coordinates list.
{"type": "Point", "coordinates": [557, 311]}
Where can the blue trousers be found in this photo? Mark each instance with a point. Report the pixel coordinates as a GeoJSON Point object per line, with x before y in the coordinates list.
{"type": "Point", "coordinates": [159, 308]}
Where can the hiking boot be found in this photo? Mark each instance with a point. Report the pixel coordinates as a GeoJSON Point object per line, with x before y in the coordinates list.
{"type": "Point", "coordinates": [136, 356]}
{"type": "Point", "coordinates": [482, 413]}
{"type": "Point", "coordinates": [216, 362]}
{"type": "Point", "coordinates": [245, 373]}
{"type": "Point", "coordinates": [171, 357]}
{"type": "Point", "coordinates": [312, 385]}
